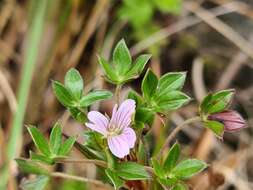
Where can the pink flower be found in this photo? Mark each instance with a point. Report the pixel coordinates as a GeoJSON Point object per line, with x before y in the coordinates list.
{"type": "Point", "coordinates": [120, 137]}
{"type": "Point", "coordinates": [231, 120]}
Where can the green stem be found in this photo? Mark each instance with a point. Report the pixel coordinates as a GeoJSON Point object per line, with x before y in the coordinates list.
{"type": "Point", "coordinates": [117, 93]}
{"type": "Point", "coordinates": [31, 53]}
{"type": "Point", "coordinates": [110, 160]}
{"type": "Point", "coordinates": [175, 131]}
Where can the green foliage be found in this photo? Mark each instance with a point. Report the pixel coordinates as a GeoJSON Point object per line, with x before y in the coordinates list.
{"type": "Point", "coordinates": [39, 140]}
{"type": "Point", "coordinates": [41, 158]}
{"type": "Point", "coordinates": [39, 183]}
{"type": "Point", "coordinates": [171, 172]}
{"type": "Point", "coordinates": [63, 95]}
{"type": "Point", "coordinates": [56, 138]}
{"type": "Point", "coordinates": [92, 148]}
{"type": "Point", "coordinates": [159, 171]}
{"type": "Point", "coordinates": [216, 102]}
{"type": "Point", "coordinates": [164, 94]}
{"type": "Point", "coordinates": [172, 158]}
{"type": "Point", "coordinates": [121, 69]}
{"type": "Point", "coordinates": [149, 85]}
{"type": "Point", "coordinates": [67, 146]}
{"type": "Point", "coordinates": [74, 83]}
{"type": "Point", "coordinates": [169, 6]}
{"type": "Point", "coordinates": [52, 150]}
{"type": "Point", "coordinates": [94, 96]}
{"type": "Point", "coordinates": [188, 168]}
{"type": "Point", "coordinates": [114, 178]}
{"type": "Point", "coordinates": [180, 186]}
{"type": "Point", "coordinates": [136, 12]}
{"type": "Point", "coordinates": [121, 57]}
{"type": "Point", "coordinates": [131, 171]}
{"type": "Point", "coordinates": [140, 14]}
{"type": "Point", "coordinates": [32, 167]}
{"type": "Point", "coordinates": [216, 127]}
{"type": "Point", "coordinates": [71, 95]}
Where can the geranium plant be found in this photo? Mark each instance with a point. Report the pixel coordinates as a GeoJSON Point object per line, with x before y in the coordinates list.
{"type": "Point", "coordinates": [114, 144]}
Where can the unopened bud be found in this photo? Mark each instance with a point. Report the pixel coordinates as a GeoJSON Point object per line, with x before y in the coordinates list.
{"type": "Point", "coordinates": [231, 120]}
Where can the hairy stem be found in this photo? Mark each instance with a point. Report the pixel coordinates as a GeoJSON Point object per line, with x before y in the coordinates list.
{"type": "Point", "coordinates": [96, 162]}
{"type": "Point", "coordinates": [117, 93]}
{"type": "Point", "coordinates": [88, 161]}
{"type": "Point", "coordinates": [175, 131]}
{"type": "Point", "coordinates": [76, 178]}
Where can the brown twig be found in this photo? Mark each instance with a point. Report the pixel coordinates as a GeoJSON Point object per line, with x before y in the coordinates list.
{"type": "Point", "coordinates": [92, 23]}
{"type": "Point", "coordinates": [8, 92]}
{"type": "Point", "coordinates": [198, 79]}
{"type": "Point", "coordinates": [221, 27]}
{"type": "Point", "coordinates": [184, 23]}
{"type": "Point", "coordinates": [77, 178]}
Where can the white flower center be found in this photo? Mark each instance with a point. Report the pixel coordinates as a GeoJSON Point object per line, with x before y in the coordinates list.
{"type": "Point", "coordinates": [113, 130]}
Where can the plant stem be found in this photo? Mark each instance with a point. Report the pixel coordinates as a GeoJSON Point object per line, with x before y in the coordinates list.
{"type": "Point", "coordinates": [96, 162]}
{"type": "Point", "coordinates": [76, 178]}
{"type": "Point", "coordinates": [117, 93]}
{"type": "Point", "coordinates": [109, 158]}
{"type": "Point", "coordinates": [175, 131]}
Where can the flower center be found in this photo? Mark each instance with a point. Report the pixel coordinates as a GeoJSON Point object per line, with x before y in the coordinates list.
{"type": "Point", "coordinates": [113, 130]}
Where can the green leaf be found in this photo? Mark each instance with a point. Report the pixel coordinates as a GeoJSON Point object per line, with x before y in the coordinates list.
{"type": "Point", "coordinates": [144, 115]}
{"type": "Point", "coordinates": [63, 95]}
{"type": "Point", "coordinates": [39, 183]}
{"type": "Point", "coordinates": [188, 168]}
{"type": "Point", "coordinates": [138, 66]}
{"type": "Point", "coordinates": [41, 158]}
{"type": "Point", "coordinates": [172, 158]}
{"type": "Point", "coordinates": [170, 82]}
{"type": "Point", "coordinates": [116, 181]}
{"type": "Point", "coordinates": [171, 101]}
{"type": "Point", "coordinates": [138, 13]}
{"type": "Point", "coordinates": [149, 84]}
{"type": "Point", "coordinates": [89, 152]}
{"type": "Point", "coordinates": [94, 96]}
{"type": "Point", "coordinates": [110, 74]}
{"type": "Point", "coordinates": [78, 115]}
{"type": "Point", "coordinates": [67, 146]}
{"type": "Point", "coordinates": [169, 6]}
{"type": "Point", "coordinates": [180, 186]}
{"type": "Point", "coordinates": [159, 171]}
{"type": "Point", "coordinates": [131, 171]}
{"type": "Point", "coordinates": [39, 140]}
{"type": "Point", "coordinates": [205, 103]}
{"type": "Point", "coordinates": [74, 83]}
{"type": "Point", "coordinates": [168, 182]}
{"type": "Point", "coordinates": [56, 138]}
{"type": "Point", "coordinates": [142, 156]}
{"type": "Point", "coordinates": [217, 102]}
{"type": "Point", "coordinates": [135, 96]}
{"type": "Point", "coordinates": [216, 127]}
{"type": "Point", "coordinates": [121, 57]}
{"type": "Point", "coordinates": [29, 166]}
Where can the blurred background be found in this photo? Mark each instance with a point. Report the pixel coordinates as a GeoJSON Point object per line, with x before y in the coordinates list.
{"type": "Point", "coordinates": [210, 39]}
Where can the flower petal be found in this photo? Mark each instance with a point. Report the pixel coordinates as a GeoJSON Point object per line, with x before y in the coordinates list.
{"type": "Point", "coordinates": [233, 126]}
{"type": "Point", "coordinates": [129, 135]}
{"type": "Point", "coordinates": [113, 118]}
{"type": "Point", "coordinates": [98, 122]}
{"type": "Point", "coordinates": [118, 146]}
{"type": "Point", "coordinates": [124, 114]}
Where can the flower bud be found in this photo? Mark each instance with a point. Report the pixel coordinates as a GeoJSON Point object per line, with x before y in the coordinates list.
{"type": "Point", "coordinates": [231, 120]}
